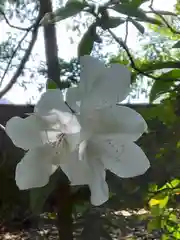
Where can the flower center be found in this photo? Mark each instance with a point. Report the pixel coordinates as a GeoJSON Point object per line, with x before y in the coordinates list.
{"type": "Point", "coordinates": [60, 144]}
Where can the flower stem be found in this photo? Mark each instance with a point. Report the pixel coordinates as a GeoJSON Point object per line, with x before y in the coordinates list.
{"type": "Point", "coordinates": [64, 213]}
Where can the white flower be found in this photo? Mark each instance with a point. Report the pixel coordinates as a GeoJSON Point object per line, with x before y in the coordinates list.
{"type": "Point", "coordinates": [50, 135]}
{"type": "Point", "coordinates": [108, 131]}
{"type": "Point", "coordinates": [99, 85]}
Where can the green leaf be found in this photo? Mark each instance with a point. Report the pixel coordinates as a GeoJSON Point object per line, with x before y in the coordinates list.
{"type": "Point", "coordinates": [164, 202]}
{"type": "Point", "coordinates": [71, 8]}
{"type": "Point", "coordinates": [166, 13]}
{"type": "Point", "coordinates": [150, 20]}
{"type": "Point", "coordinates": [51, 85]}
{"type": "Point", "coordinates": [174, 183]}
{"type": "Point", "coordinates": [154, 224]}
{"type": "Point", "coordinates": [110, 22]}
{"type": "Point", "coordinates": [38, 196]}
{"type": "Point", "coordinates": [160, 87]}
{"type": "Point", "coordinates": [87, 41]}
{"type": "Point", "coordinates": [137, 3]}
{"type": "Point", "coordinates": [176, 45]}
{"type": "Point", "coordinates": [129, 10]}
{"type": "Point", "coordinates": [139, 27]}
{"type": "Point", "coordinates": [171, 75]}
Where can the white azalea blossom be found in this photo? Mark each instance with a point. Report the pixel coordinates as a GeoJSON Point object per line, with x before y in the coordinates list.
{"type": "Point", "coordinates": [108, 131]}
{"type": "Point", "coordinates": [50, 135]}
{"type": "Point", "coordinates": [100, 136]}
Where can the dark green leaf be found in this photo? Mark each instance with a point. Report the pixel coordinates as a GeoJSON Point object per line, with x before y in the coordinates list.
{"type": "Point", "coordinates": [160, 87]}
{"type": "Point", "coordinates": [51, 85]}
{"type": "Point", "coordinates": [165, 13]}
{"type": "Point", "coordinates": [70, 9]}
{"type": "Point", "coordinates": [150, 20]}
{"type": "Point", "coordinates": [154, 224]}
{"type": "Point", "coordinates": [171, 75]}
{"type": "Point", "coordinates": [111, 22]}
{"type": "Point", "coordinates": [176, 45]}
{"type": "Point", "coordinates": [139, 27]}
{"type": "Point", "coordinates": [129, 10]}
{"type": "Point", "coordinates": [137, 3]}
{"type": "Point", "coordinates": [87, 41]}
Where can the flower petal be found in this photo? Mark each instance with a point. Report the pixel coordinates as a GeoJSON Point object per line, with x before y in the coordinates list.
{"type": "Point", "coordinates": [73, 97]}
{"type": "Point", "coordinates": [52, 99]}
{"type": "Point", "coordinates": [112, 86]}
{"type": "Point", "coordinates": [126, 160]}
{"type": "Point", "coordinates": [27, 133]}
{"type": "Point", "coordinates": [98, 185]}
{"type": "Point", "coordinates": [91, 69]}
{"type": "Point", "coordinates": [121, 120]}
{"type": "Point", "coordinates": [64, 122]}
{"type": "Point", "coordinates": [34, 169]}
{"type": "Point", "coordinates": [78, 172]}
{"type": "Point", "coordinates": [88, 171]}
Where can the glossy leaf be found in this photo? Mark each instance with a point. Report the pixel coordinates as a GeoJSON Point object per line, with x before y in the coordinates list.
{"type": "Point", "coordinates": [70, 9]}
{"type": "Point", "coordinates": [137, 3]}
{"type": "Point", "coordinates": [150, 20]}
{"type": "Point", "coordinates": [139, 27]}
{"type": "Point", "coordinates": [111, 22]}
{"type": "Point", "coordinates": [160, 87]}
{"type": "Point", "coordinates": [129, 10]}
{"type": "Point", "coordinates": [51, 85]}
{"type": "Point", "coordinates": [87, 41]}
{"type": "Point", "coordinates": [166, 13]}
{"type": "Point", "coordinates": [176, 45]}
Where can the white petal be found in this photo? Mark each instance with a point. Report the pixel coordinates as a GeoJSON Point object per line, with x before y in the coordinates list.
{"type": "Point", "coordinates": [26, 133]}
{"type": "Point", "coordinates": [112, 86]}
{"type": "Point", "coordinates": [121, 120]}
{"type": "Point", "coordinates": [73, 97]}
{"type": "Point", "coordinates": [91, 69]}
{"type": "Point", "coordinates": [65, 122]}
{"type": "Point", "coordinates": [51, 100]}
{"type": "Point", "coordinates": [126, 160]}
{"type": "Point", "coordinates": [98, 185]}
{"type": "Point", "coordinates": [34, 169]}
{"type": "Point", "coordinates": [78, 172]}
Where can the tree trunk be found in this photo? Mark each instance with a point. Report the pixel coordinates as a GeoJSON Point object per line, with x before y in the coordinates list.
{"type": "Point", "coordinates": [63, 198]}
{"type": "Point", "coordinates": [64, 213]}
{"type": "Point", "coordinates": [51, 49]}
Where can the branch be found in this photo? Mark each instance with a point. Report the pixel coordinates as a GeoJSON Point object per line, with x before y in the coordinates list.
{"type": "Point", "coordinates": [13, 26]}
{"type": "Point", "coordinates": [163, 19]}
{"type": "Point", "coordinates": [23, 61]}
{"type": "Point", "coordinates": [133, 65]}
{"type": "Point", "coordinates": [12, 56]}
{"type": "Point", "coordinates": [169, 64]}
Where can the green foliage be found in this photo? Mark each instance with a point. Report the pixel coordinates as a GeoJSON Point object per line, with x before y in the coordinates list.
{"type": "Point", "coordinates": [139, 27]}
{"type": "Point", "coordinates": [130, 10]}
{"type": "Point", "coordinates": [86, 44]}
{"type": "Point", "coordinates": [110, 22]}
{"type": "Point", "coordinates": [177, 45]}
{"type": "Point", "coordinates": [71, 8]}
{"type": "Point", "coordinates": [51, 85]}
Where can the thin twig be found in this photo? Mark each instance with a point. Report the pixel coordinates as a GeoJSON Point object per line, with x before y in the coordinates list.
{"type": "Point", "coordinates": [23, 61]}
{"type": "Point", "coordinates": [12, 56]}
{"type": "Point", "coordinates": [163, 19]}
{"type": "Point", "coordinates": [133, 65]}
{"type": "Point", "coordinates": [127, 31]}
{"type": "Point", "coordinates": [13, 26]}
{"type": "Point", "coordinates": [16, 49]}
